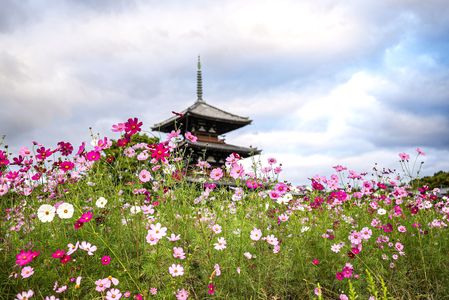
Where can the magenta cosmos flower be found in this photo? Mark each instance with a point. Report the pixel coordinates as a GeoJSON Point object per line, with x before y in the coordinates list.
{"type": "Point", "coordinates": [43, 153]}
{"type": "Point", "coordinates": [66, 166]}
{"type": "Point", "coordinates": [106, 260]}
{"type": "Point", "coordinates": [160, 152]}
{"type": "Point", "coordinates": [93, 155]}
{"type": "Point", "coordinates": [86, 217]}
{"type": "Point", "coordinates": [58, 253]}
{"type": "Point", "coordinates": [133, 126]}
{"type": "Point", "coordinates": [24, 257]}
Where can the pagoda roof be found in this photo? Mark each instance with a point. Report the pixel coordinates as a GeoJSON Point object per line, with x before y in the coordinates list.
{"type": "Point", "coordinates": [202, 110]}
{"type": "Point", "coordinates": [222, 147]}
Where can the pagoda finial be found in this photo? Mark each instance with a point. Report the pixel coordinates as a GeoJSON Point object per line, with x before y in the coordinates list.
{"type": "Point", "coordinates": [199, 83]}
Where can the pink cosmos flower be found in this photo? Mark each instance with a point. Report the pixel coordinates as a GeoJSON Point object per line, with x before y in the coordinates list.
{"type": "Point", "coordinates": [176, 270]}
{"type": "Point", "coordinates": [274, 195]}
{"type": "Point", "coordinates": [25, 295]}
{"type": "Point", "coordinates": [277, 170]}
{"type": "Point", "coordinates": [366, 233]}
{"type": "Point", "coordinates": [217, 270]}
{"type": "Point", "coordinates": [102, 284]}
{"type": "Point", "coordinates": [420, 152]}
{"type": "Point", "coordinates": [399, 246]}
{"type": "Point", "coordinates": [153, 291]}
{"type": "Point", "coordinates": [355, 237]}
{"type": "Point", "coordinates": [404, 156]}
{"type": "Point", "coordinates": [174, 238]}
{"type": "Point", "coordinates": [27, 272]}
{"type": "Point", "coordinates": [237, 171]}
{"type": "Point", "coordinates": [157, 230]}
{"type": "Point", "coordinates": [190, 137]}
{"type": "Point", "coordinates": [281, 188]}
{"type": "Point", "coordinates": [3, 189]}
{"type": "Point", "coordinates": [105, 260]}
{"type": "Point", "coordinates": [402, 228]}
{"type": "Point", "coordinates": [216, 228]}
{"type": "Point", "coordinates": [272, 240]}
{"type": "Point", "coordinates": [24, 151]}
{"type": "Point", "coordinates": [113, 294]}
{"type": "Point", "coordinates": [130, 152]}
{"type": "Point", "coordinates": [173, 134]}
{"type": "Point", "coordinates": [256, 234]}
{"type": "Point", "coordinates": [51, 298]}
{"type": "Point", "coordinates": [216, 174]}
{"type": "Point", "coordinates": [152, 239]}
{"type": "Point", "coordinates": [118, 127]}
{"type": "Point", "coordinates": [271, 161]}
{"type": "Point", "coordinates": [178, 252]}
{"type": "Point", "coordinates": [145, 176]}
{"type": "Point", "coordinates": [339, 168]}
{"type": "Point", "coordinates": [182, 295]}
{"type": "Point", "coordinates": [220, 244]}
{"type": "Point", "coordinates": [315, 261]}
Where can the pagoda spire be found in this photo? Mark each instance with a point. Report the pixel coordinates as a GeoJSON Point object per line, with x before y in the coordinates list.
{"type": "Point", "coordinates": [199, 83]}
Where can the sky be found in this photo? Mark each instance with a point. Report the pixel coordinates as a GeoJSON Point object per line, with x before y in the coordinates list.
{"type": "Point", "coordinates": [325, 82]}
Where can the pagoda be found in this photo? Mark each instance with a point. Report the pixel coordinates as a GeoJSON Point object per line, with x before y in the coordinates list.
{"type": "Point", "coordinates": [207, 123]}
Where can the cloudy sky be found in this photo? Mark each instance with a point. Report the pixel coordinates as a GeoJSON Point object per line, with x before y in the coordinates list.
{"type": "Point", "coordinates": [326, 82]}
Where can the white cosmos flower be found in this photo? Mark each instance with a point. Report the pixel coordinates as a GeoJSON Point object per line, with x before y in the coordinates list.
{"type": "Point", "coordinates": [65, 210]}
{"type": "Point", "coordinates": [135, 209]}
{"type": "Point", "coordinates": [381, 211]}
{"type": "Point", "coordinates": [72, 248]}
{"type": "Point", "coordinates": [46, 213]}
{"type": "Point", "coordinates": [101, 202]}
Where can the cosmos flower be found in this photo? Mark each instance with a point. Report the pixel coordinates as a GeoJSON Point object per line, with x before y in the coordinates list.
{"type": "Point", "coordinates": [65, 210]}
{"type": "Point", "coordinates": [220, 244]}
{"type": "Point", "coordinates": [216, 174]}
{"type": "Point", "coordinates": [189, 136]}
{"type": "Point", "coordinates": [25, 295]}
{"type": "Point", "coordinates": [145, 176]}
{"type": "Point", "coordinates": [176, 270]}
{"type": "Point", "coordinates": [113, 294]}
{"type": "Point", "coordinates": [101, 202]}
{"type": "Point", "coordinates": [27, 272]}
{"type": "Point", "coordinates": [256, 234]}
{"type": "Point", "coordinates": [105, 260]}
{"type": "Point", "coordinates": [46, 213]}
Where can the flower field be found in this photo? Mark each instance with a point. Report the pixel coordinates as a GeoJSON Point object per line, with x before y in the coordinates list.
{"type": "Point", "coordinates": [121, 218]}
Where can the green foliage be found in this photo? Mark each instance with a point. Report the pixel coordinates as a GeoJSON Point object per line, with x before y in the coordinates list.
{"type": "Point", "coordinates": [438, 180]}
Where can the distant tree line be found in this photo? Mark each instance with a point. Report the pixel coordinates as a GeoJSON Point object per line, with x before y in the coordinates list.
{"type": "Point", "coordinates": [438, 180]}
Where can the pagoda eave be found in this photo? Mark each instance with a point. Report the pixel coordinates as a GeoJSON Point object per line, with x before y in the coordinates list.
{"type": "Point", "coordinates": [223, 147]}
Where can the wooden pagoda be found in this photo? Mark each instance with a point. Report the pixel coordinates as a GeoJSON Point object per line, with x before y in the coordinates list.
{"type": "Point", "coordinates": [208, 123]}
